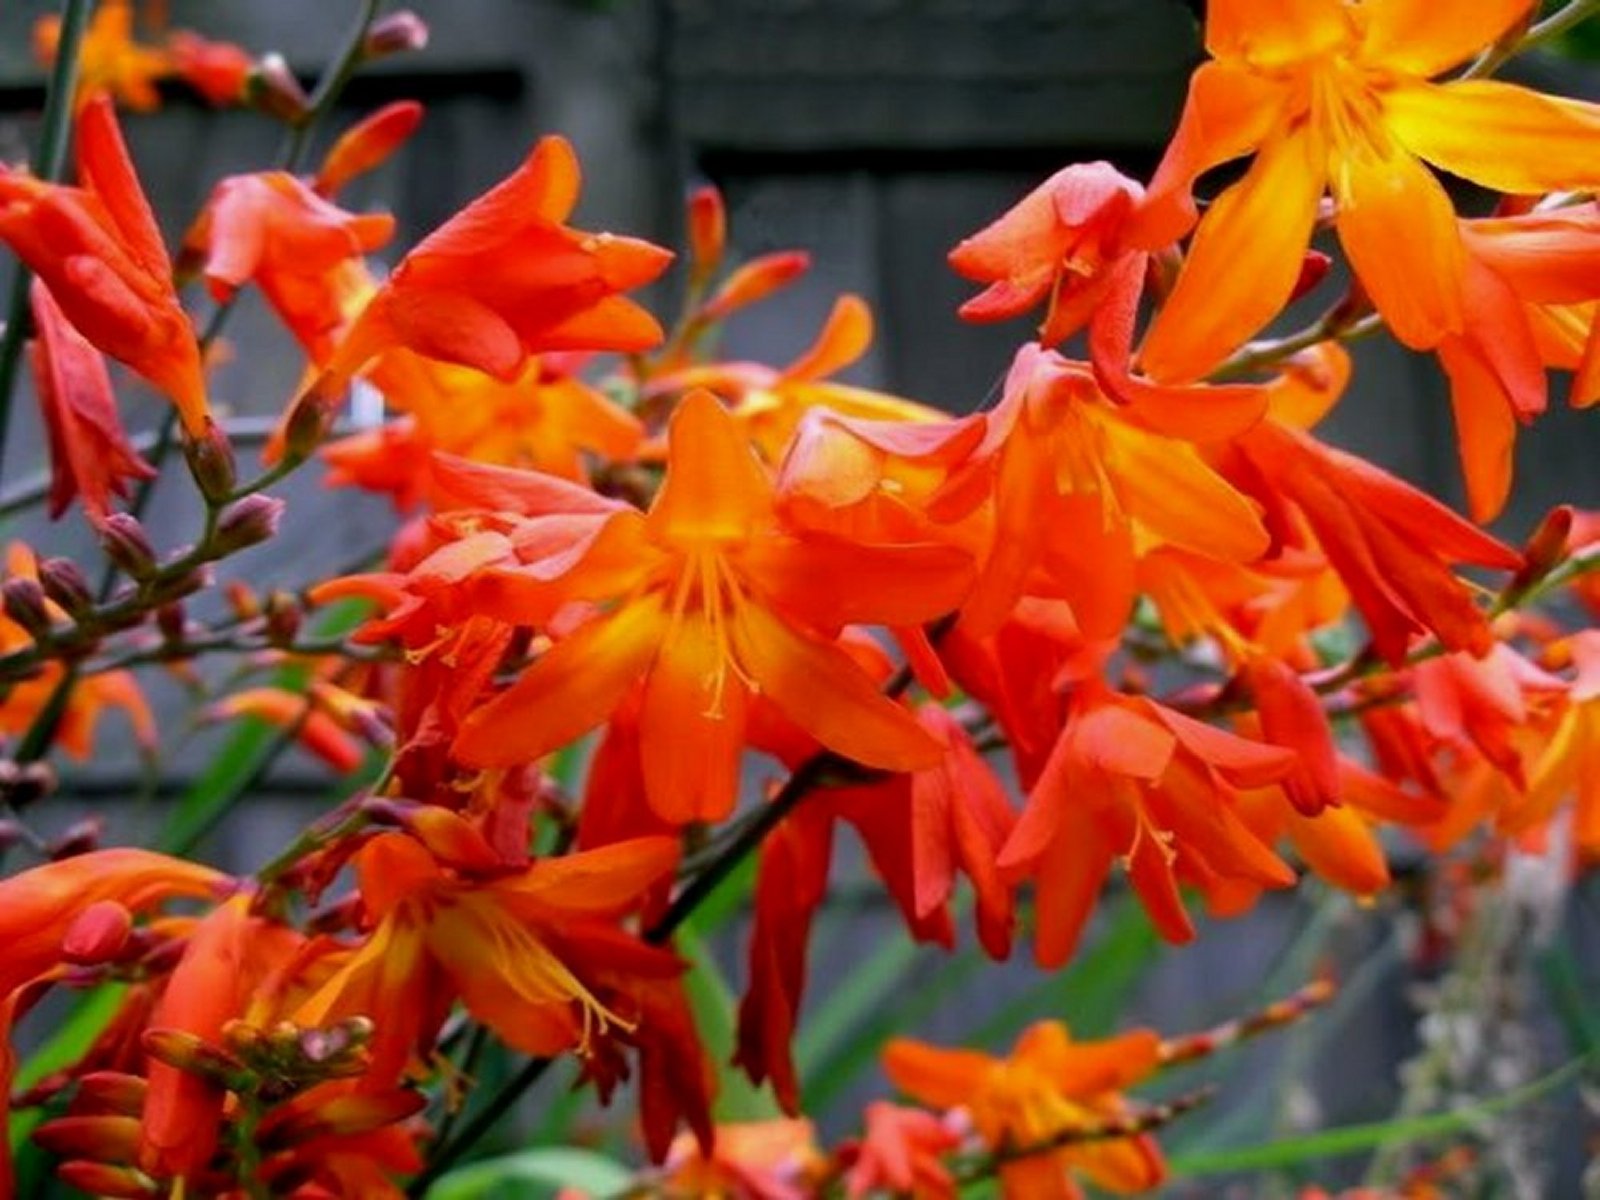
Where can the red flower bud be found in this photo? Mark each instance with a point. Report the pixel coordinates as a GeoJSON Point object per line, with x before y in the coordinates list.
{"type": "Point", "coordinates": [25, 603]}
{"type": "Point", "coordinates": [98, 934]}
{"type": "Point", "coordinates": [250, 522]}
{"type": "Point", "coordinates": [395, 33]}
{"type": "Point", "coordinates": [126, 544]}
{"type": "Point", "coordinates": [64, 583]}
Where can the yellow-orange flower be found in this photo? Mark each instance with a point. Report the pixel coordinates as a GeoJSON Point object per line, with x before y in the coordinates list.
{"type": "Point", "coordinates": [1048, 1086]}
{"type": "Point", "coordinates": [712, 599]}
{"type": "Point", "coordinates": [1335, 96]}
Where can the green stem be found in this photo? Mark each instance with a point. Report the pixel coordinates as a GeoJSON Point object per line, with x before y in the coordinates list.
{"type": "Point", "coordinates": [48, 161]}
{"type": "Point", "coordinates": [1547, 30]}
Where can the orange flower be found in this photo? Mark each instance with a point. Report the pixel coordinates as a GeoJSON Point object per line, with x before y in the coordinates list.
{"type": "Point", "coordinates": [1133, 781]}
{"type": "Point", "coordinates": [89, 452]}
{"type": "Point", "coordinates": [109, 60]}
{"type": "Point", "coordinates": [900, 1154]}
{"type": "Point", "coordinates": [219, 71]}
{"type": "Point", "coordinates": [97, 248]}
{"type": "Point", "coordinates": [545, 419]}
{"type": "Point", "coordinates": [1049, 1086]}
{"type": "Point", "coordinates": [272, 229]}
{"type": "Point", "coordinates": [1062, 244]}
{"type": "Point", "coordinates": [770, 403]}
{"type": "Point", "coordinates": [751, 1160]}
{"type": "Point", "coordinates": [524, 951]}
{"type": "Point", "coordinates": [711, 599]}
{"type": "Point", "coordinates": [1390, 544]}
{"type": "Point", "coordinates": [1569, 763]}
{"type": "Point", "coordinates": [1531, 282]}
{"type": "Point", "coordinates": [1122, 477]}
{"type": "Point", "coordinates": [504, 278]}
{"type": "Point", "coordinates": [1336, 96]}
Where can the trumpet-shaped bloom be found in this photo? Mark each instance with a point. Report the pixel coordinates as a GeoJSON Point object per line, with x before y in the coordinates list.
{"type": "Point", "coordinates": [1048, 1086]}
{"type": "Point", "coordinates": [753, 1160]}
{"type": "Point", "coordinates": [1063, 245]}
{"type": "Point", "coordinates": [1568, 766]}
{"type": "Point", "coordinates": [1391, 545]}
{"type": "Point", "coordinates": [1132, 781]}
{"type": "Point", "coordinates": [900, 1153]}
{"type": "Point", "coordinates": [710, 600]}
{"type": "Point", "coordinates": [1531, 282]}
{"type": "Point", "coordinates": [1121, 478]}
{"type": "Point", "coordinates": [526, 952]}
{"type": "Point", "coordinates": [272, 229]}
{"type": "Point", "coordinates": [1331, 96]}
{"type": "Point", "coordinates": [505, 278]}
{"type": "Point", "coordinates": [96, 246]}
{"type": "Point", "coordinates": [90, 456]}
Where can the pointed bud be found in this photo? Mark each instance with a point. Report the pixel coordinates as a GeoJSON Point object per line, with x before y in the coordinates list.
{"type": "Point", "coordinates": [250, 522]}
{"type": "Point", "coordinates": [708, 232]}
{"type": "Point", "coordinates": [310, 418]}
{"type": "Point", "coordinates": [98, 934]}
{"type": "Point", "coordinates": [22, 784]}
{"type": "Point", "coordinates": [273, 89]}
{"type": "Point", "coordinates": [104, 1137]}
{"type": "Point", "coordinates": [126, 544]}
{"type": "Point", "coordinates": [755, 281]}
{"type": "Point", "coordinates": [64, 583]}
{"type": "Point", "coordinates": [110, 1092]}
{"type": "Point", "coordinates": [172, 621]}
{"type": "Point", "coordinates": [183, 1050]}
{"type": "Point", "coordinates": [81, 837]}
{"type": "Point", "coordinates": [367, 145]}
{"type": "Point", "coordinates": [1313, 270]}
{"type": "Point", "coordinates": [1545, 550]}
{"type": "Point", "coordinates": [284, 618]}
{"type": "Point", "coordinates": [242, 600]}
{"type": "Point", "coordinates": [25, 603]}
{"type": "Point", "coordinates": [343, 1116]}
{"type": "Point", "coordinates": [211, 463]}
{"type": "Point", "coordinates": [103, 1179]}
{"type": "Point", "coordinates": [400, 32]}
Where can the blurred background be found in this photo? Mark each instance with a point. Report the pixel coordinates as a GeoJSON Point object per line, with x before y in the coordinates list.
{"type": "Point", "coordinates": [875, 134]}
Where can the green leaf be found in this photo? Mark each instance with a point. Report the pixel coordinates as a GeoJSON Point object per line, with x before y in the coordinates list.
{"type": "Point", "coordinates": [1091, 994]}
{"type": "Point", "coordinates": [711, 1001]}
{"type": "Point", "coordinates": [1356, 1139]}
{"type": "Point", "coordinates": [534, 1173]}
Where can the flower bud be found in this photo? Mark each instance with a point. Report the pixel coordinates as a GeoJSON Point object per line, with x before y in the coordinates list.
{"type": "Point", "coordinates": [126, 544]}
{"type": "Point", "coordinates": [183, 1050]}
{"type": "Point", "coordinates": [367, 145]}
{"type": "Point", "coordinates": [273, 89]}
{"type": "Point", "coordinates": [343, 1116]}
{"type": "Point", "coordinates": [103, 1179]}
{"type": "Point", "coordinates": [211, 463]}
{"type": "Point", "coordinates": [106, 1136]}
{"type": "Point", "coordinates": [708, 232]}
{"type": "Point", "coordinates": [755, 281]}
{"type": "Point", "coordinates": [250, 522]}
{"type": "Point", "coordinates": [25, 603]}
{"type": "Point", "coordinates": [284, 618]}
{"type": "Point", "coordinates": [1313, 270]}
{"type": "Point", "coordinates": [81, 837]}
{"type": "Point", "coordinates": [1546, 549]}
{"type": "Point", "coordinates": [395, 33]}
{"type": "Point", "coordinates": [22, 784]}
{"type": "Point", "coordinates": [98, 934]}
{"type": "Point", "coordinates": [172, 621]}
{"type": "Point", "coordinates": [110, 1092]}
{"type": "Point", "coordinates": [64, 583]}
{"type": "Point", "coordinates": [242, 600]}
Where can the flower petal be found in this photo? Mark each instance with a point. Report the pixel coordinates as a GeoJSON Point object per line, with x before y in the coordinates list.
{"type": "Point", "coordinates": [822, 689]}
{"type": "Point", "coordinates": [1508, 138]}
{"type": "Point", "coordinates": [1242, 265]}
{"type": "Point", "coordinates": [574, 687]}
{"type": "Point", "coordinates": [1424, 37]}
